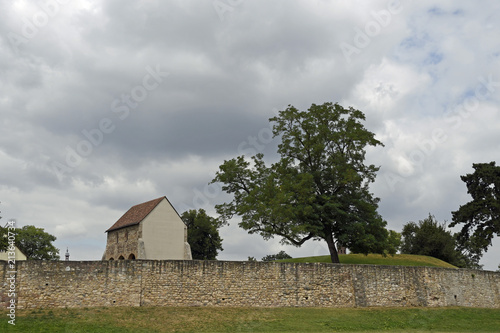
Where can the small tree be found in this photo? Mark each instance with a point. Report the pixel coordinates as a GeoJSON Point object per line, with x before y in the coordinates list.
{"type": "Point", "coordinates": [280, 255]}
{"type": "Point", "coordinates": [394, 241]}
{"type": "Point", "coordinates": [203, 234]}
{"type": "Point", "coordinates": [4, 243]}
{"type": "Point", "coordinates": [3, 239]}
{"type": "Point", "coordinates": [430, 238]}
{"type": "Point", "coordinates": [36, 244]}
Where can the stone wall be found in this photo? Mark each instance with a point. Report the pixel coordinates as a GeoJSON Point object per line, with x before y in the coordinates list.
{"type": "Point", "coordinates": [227, 283]}
{"type": "Point", "coordinates": [123, 242]}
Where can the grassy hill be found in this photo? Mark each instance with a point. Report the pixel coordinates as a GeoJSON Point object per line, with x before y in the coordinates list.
{"type": "Point", "coordinates": [377, 259]}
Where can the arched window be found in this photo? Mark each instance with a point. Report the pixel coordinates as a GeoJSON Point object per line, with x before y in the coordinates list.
{"type": "Point", "coordinates": [111, 258]}
{"type": "Point", "coordinates": [121, 258]}
{"type": "Point", "coordinates": [131, 256]}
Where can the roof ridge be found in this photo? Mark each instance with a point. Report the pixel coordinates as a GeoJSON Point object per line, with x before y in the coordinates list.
{"type": "Point", "coordinates": [136, 214]}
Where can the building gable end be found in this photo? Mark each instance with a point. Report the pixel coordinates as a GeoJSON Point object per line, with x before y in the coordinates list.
{"type": "Point", "coordinates": [136, 214]}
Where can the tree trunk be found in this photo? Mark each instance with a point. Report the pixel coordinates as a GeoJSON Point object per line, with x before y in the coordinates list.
{"type": "Point", "coordinates": [334, 255]}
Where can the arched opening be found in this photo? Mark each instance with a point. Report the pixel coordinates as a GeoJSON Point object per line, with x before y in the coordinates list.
{"type": "Point", "coordinates": [131, 256]}
{"type": "Point", "coordinates": [111, 258]}
{"type": "Point", "coordinates": [121, 258]}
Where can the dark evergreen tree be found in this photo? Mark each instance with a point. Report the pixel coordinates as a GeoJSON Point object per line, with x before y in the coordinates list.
{"type": "Point", "coordinates": [430, 238]}
{"type": "Point", "coordinates": [203, 234]}
{"type": "Point", "coordinates": [479, 218]}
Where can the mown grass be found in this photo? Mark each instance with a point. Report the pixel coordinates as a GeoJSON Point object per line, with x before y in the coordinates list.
{"type": "Point", "coordinates": [212, 319]}
{"type": "Point", "coordinates": [378, 259]}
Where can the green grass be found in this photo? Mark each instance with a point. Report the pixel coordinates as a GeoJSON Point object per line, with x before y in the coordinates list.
{"type": "Point", "coordinates": [378, 259]}
{"type": "Point", "coordinates": [213, 319]}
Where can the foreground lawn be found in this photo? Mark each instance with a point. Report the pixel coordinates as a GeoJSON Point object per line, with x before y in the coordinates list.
{"type": "Point", "coordinates": [378, 259]}
{"type": "Point", "coordinates": [193, 319]}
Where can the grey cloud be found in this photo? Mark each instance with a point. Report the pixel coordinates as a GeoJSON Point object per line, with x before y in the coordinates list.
{"type": "Point", "coordinates": [225, 78]}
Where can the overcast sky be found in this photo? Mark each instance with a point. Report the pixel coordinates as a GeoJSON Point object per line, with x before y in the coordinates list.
{"type": "Point", "coordinates": [107, 104]}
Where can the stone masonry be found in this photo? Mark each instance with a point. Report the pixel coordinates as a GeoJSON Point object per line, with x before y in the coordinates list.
{"type": "Point", "coordinates": [45, 284]}
{"type": "Point", "coordinates": [124, 241]}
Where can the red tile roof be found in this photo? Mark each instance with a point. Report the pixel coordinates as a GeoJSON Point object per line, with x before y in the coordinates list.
{"type": "Point", "coordinates": [135, 214]}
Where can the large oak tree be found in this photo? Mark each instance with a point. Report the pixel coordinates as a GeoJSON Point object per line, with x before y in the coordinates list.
{"type": "Point", "coordinates": [319, 188]}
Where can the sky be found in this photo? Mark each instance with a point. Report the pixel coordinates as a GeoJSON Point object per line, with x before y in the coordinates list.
{"type": "Point", "coordinates": [108, 104]}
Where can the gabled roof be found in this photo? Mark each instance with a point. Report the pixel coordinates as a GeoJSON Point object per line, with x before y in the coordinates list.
{"type": "Point", "coordinates": [136, 214]}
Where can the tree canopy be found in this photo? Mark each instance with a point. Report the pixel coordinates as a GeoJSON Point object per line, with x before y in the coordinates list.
{"type": "Point", "coordinates": [480, 218]}
{"type": "Point", "coordinates": [428, 237]}
{"type": "Point", "coordinates": [319, 188]}
{"type": "Point", "coordinates": [34, 242]}
{"type": "Point", "coordinates": [278, 256]}
{"type": "Point", "coordinates": [203, 234]}
{"type": "Point", "coordinates": [3, 239]}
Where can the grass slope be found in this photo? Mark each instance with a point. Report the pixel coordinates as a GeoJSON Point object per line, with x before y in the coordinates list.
{"type": "Point", "coordinates": [213, 319]}
{"type": "Point", "coordinates": [378, 259]}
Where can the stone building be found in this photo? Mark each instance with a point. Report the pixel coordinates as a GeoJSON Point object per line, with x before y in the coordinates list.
{"type": "Point", "coordinates": [150, 230]}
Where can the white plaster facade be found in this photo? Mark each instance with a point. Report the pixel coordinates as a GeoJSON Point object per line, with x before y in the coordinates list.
{"type": "Point", "coordinates": [18, 255]}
